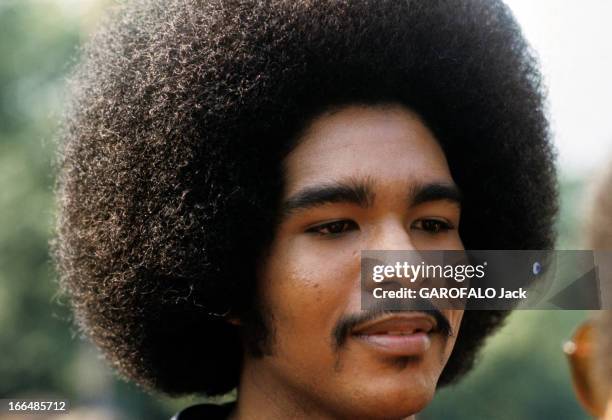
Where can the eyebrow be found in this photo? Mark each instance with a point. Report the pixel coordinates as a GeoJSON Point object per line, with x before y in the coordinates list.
{"type": "Point", "coordinates": [359, 193]}
{"type": "Point", "coordinates": [362, 194]}
{"type": "Point", "coordinates": [436, 191]}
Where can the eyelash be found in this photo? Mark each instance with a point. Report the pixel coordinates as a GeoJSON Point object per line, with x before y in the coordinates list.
{"type": "Point", "coordinates": [345, 225]}
{"type": "Point", "coordinates": [441, 226]}
{"type": "Point", "coordinates": [342, 226]}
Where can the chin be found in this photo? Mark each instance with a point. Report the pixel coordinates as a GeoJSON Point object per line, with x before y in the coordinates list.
{"type": "Point", "coordinates": [395, 400]}
{"type": "Point", "coordinates": [391, 410]}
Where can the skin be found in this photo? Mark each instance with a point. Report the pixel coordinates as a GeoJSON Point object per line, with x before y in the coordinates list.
{"type": "Point", "coordinates": [310, 279]}
{"type": "Point", "coordinates": [608, 413]}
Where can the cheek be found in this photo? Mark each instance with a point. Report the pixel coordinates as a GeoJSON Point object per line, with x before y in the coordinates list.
{"type": "Point", "coordinates": [307, 287]}
{"type": "Point", "coordinates": [450, 241]}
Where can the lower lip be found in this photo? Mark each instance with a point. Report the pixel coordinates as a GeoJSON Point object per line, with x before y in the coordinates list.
{"type": "Point", "coordinates": [398, 345]}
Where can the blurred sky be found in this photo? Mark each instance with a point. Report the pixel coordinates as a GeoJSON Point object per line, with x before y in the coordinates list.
{"type": "Point", "coordinates": [572, 40]}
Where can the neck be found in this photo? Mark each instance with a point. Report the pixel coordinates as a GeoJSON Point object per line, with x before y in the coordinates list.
{"type": "Point", "coordinates": [261, 395]}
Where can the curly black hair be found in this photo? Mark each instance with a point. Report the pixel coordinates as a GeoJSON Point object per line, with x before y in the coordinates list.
{"type": "Point", "coordinates": [181, 114]}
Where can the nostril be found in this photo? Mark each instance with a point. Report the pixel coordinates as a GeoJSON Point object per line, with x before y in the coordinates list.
{"type": "Point", "coordinates": [390, 284]}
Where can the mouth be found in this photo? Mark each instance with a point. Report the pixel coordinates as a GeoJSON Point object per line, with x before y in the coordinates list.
{"type": "Point", "coordinates": [398, 335]}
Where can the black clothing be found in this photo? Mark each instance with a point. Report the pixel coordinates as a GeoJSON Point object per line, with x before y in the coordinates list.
{"type": "Point", "coordinates": [205, 412]}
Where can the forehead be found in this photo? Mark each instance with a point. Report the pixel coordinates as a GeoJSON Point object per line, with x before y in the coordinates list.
{"type": "Point", "coordinates": [387, 145]}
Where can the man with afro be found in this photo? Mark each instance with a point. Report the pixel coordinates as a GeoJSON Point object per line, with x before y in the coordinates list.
{"type": "Point", "coordinates": [224, 162]}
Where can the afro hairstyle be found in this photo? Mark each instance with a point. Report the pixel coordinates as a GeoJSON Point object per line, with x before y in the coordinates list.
{"type": "Point", "coordinates": [181, 113]}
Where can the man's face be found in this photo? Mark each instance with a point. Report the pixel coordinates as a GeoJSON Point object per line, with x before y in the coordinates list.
{"type": "Point", "coordinates": [360, 178]}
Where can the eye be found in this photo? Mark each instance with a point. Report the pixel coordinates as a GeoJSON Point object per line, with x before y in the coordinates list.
{"type": "Point", "coordinates": [336, 227]}
{"type": "Point", "coordinates": [432, 226]}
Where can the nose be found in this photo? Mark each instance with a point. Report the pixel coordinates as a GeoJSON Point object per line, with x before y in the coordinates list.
{"type": "Point", "coordinates": [390, 235]}
{"type": "Point", "coordinates": [390, 254]}
{"type": "Point", "coordinates": [388, 243]}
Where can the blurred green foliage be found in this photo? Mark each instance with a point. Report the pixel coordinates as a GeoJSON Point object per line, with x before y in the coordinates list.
{"type": "Point", "coordinates": [40, 354]}
{"type": "Point", "coordinates": [522, 375]}
{"type": "Point", "coordinates": [33, 341]}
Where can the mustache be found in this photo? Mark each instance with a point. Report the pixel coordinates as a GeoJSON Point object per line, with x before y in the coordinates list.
{"type": "Point", "coordinates": [346, 324]}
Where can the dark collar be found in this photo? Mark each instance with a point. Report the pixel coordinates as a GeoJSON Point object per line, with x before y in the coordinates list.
{"type": "Point", "coordinates": [205, 412]}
